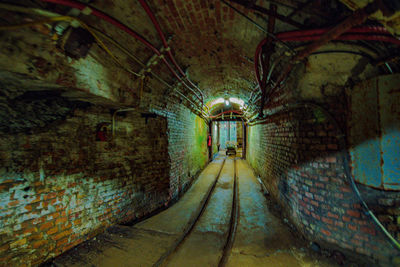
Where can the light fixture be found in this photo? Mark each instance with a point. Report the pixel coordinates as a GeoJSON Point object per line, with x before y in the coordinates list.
{"type": "Point", "coordinates": [227, 102]}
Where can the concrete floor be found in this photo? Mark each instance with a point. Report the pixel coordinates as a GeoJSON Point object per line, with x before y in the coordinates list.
{"type": "Point", "coordinates": [261, 238]}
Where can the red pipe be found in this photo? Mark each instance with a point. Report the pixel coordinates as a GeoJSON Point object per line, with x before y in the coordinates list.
{"type": "Point", "coordinates": [358, 17]}
{"type": "Point", "coordinates": [155, 22]}
{"type": "Point", "coordinates": [299, 36]}
{"type": "Point", "coordinates": [365, 29]}
{"type": "Point", "coordinates": [105, 17]}
{"type": "Point", "coordinates": [228, 111]}
{"type": "Point", "coordinates": [256, 61]}
{"type": "Point", "coordinates": [350, 37]}
{"type": "Point", "coordinates": [164, 41]}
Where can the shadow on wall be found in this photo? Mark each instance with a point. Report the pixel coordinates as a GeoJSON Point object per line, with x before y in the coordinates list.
{"type": "Point", "coordinates": [297, 155]}
{"type": "Point", "coordinates": [64, 185]}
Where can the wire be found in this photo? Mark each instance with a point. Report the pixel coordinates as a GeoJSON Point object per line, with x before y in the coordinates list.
{"type": "Point", "coordinates": [120, 47]}
{"type": "Point", "coordinates": [34, 23]}
{"type": "Point", "coordinates": [95, 32]}
{"type": "Point", "coordinates": [70, 19]}
{"type": "Point", "coordinates": [28, 10]}
{"type": "Point", "coordinates": [342, 141]}
{"type": "Point", "coordinates": [259, 26]}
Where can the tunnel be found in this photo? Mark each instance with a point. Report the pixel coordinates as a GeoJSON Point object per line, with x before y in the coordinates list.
{"type": "Point", "coordinates": [199, 133]}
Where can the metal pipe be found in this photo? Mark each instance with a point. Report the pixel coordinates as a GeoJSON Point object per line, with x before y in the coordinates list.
{"type": "Point", "coordinates": [36, 11]}
{"type": "Point", "coordinates": [265, 65]}
{"type": "Point", "coordinates": [363, 29]}
{"type": "Point", "coordinates": [107, 18]}
{"type": "Point", "coordinates": [347, 37]}
{"type": "Point", "coordinates": [228, 111]}
{"type": "Point", "coordinates": [358, 17]}
{"type": "Point", "coordinates": [164, 41]}
{"type": "Point", "coordinates": [268, 12]}
{"type": "Point", "coordinates": [28, 10]}
{"type": "Point", "coordinates": [345, 156]}
{"type": "Point", "coordinates": [281, 43]}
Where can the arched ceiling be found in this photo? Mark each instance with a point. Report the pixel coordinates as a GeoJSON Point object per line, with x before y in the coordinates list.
{"type": "Point", "coordinates": [213, 41]}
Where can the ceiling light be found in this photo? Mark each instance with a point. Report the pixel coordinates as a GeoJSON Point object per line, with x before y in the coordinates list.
{"type": "Point", "coordinates": [227, 102]}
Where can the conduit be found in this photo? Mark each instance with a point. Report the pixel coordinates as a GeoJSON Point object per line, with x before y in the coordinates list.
{"type": "Point", "coordinates": [103, 16]}
{"type": "Point", "coordinates": [225, 112]}
{"type": "Point", "coordinates": [54, 17]}
{"type": "Point", "coordinates": [358, 17]}
{"type": "Point", "coordinates": [346, 161]}
{"type": "Point", "coordinates": [69, 19]}
{"type": "Point", "coordinates": [347, 37]}
{"type": "Point", "coordinates": [364, 29]}
{"type": "Point", "coordinates": [167, 48]}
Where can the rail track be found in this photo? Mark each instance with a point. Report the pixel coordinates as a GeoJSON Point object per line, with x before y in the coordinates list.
{"type": "Point", "coordinates": [230, 235]}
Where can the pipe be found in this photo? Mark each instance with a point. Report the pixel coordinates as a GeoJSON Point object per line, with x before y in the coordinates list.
{"type": "Point", "coordinates": [256, 61]}
{"type": "Point", "coordinates": [266, 63]}
{"type": "Point", "coordinates": [228, 111]}
{"type": "Point", "coordinates": [363, 29]}
{"type": "Point", "coordinates": [167, 48]}
{"type": "Point", "coordinates": [274, 64]}
{"type": "Point", "coordinates": [347, 37]}
{"type": "Point", "coordinates": [55, 16]}
{"type": "Point", "coordinates": [107, 18]}
{"type": "Point", "coordinates": [268, 12]}
{"type": "Point", "coordinates": [345, 156]}
{"type": "Point", "coordinates": [358, 17]}
{"type": "Point", "coordinates": [28, 10]}
{"type": "Point", "coordinates": [281, 43]}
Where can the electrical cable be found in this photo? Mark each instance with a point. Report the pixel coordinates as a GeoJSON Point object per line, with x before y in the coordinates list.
{"type": "Point", "coordinates": [346, 161]}
{"type": "Point", "coordinates": [54, 17]}
{"type": "Point", "coordinates": [168, 49]}
{"type": "Point", "coordinates": [280, 42]}
{"type": "Point", "coordinates": [119, 25]}
{"type": "Point", "coordinates": [69, 19]}
{"type": "Point", "coordinates": [362, 29]}
{"type": "Point", "coordinates": [103, 16]}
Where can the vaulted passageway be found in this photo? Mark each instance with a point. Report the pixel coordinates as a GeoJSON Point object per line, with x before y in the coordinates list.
{"type": "Point", "coordinates": [116, 117]}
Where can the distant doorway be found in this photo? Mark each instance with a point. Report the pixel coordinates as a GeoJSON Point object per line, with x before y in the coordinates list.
{"type": "Point", "coordinates": [228, 133]}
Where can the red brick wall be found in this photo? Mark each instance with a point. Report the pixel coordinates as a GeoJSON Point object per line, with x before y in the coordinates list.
{"type": "Point", "coordinates": [59, 186]}
{"type": "Point", "coordinates": [297, 155]}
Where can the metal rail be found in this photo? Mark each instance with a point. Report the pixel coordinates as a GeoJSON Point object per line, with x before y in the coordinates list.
{"type": "Point", "coordinates": [233, 222]}
{"type": "Point", "coordinates": [191, 224]}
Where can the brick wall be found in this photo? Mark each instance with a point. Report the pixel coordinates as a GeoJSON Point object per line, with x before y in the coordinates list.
{"type": "Point", "coordinates": [297, 155]}
{"type": "Point", "coordinates": [59, 186]}
{"type": "Point", "coordinates": [187, 145]}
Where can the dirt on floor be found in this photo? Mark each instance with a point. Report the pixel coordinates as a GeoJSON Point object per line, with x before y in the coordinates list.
{"type": "Point", "coordinates": [262, 237]}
